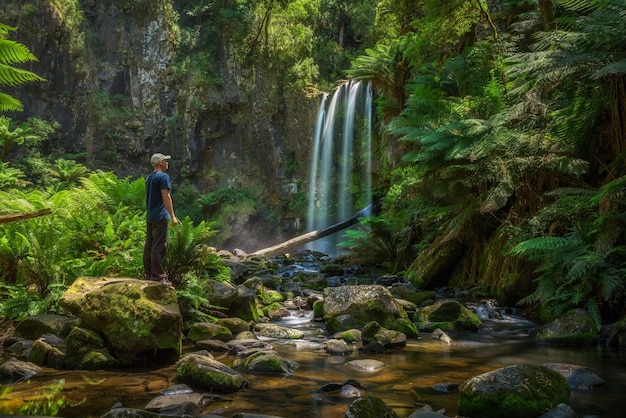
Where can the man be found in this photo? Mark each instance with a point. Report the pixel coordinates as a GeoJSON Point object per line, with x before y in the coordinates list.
{"type": "Point", "coordinates": [159, 212]}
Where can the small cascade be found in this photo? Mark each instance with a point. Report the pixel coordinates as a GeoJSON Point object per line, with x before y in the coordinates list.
{"type": "Point", "coordinates": [341, 167]}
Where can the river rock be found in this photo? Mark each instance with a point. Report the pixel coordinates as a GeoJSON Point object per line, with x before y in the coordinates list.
{"type": "Point", "coordinates": [374, 333]}
{"type": "Point", "coordinates": [136, 317]}
{"type": "Point", "coordinates": [203, 370]}
{"type": "Point", "coordinates": [235, 325]}
{"type": "Point", "coordinates": [132, 413]}
{"type": "Point", "coordinates": [427, 412]}
{"type": "Point", "coordinates": [561, 411]}
{"type": "Point", "coordinates": [212, 345]}
{"type": "Point", "coordinates": [17, 370]}
{"type": "Point", "coordinates": [338, 347]}
{"type": "Point", "coordinates": [239, 301]}
{"type": "Point", "coordinates": [347, 307]}
{"type": "Point", "coordinates": [278, 331]}
{"type": "Point", "coordinates": [179, 404]}
{"type": "Point", "coordinates": [269, 362]}
{"type": "Point", "coordinates": [49, 350]}
{"type": "Point", "coordinates": [578, 377]}
{"type": "Point", "coordinates": [350, 336]}
{"type": "Point", "coordinates": [368, 365]}
{"type": "Point", "coordinates": [369, 407]}
{"type": "Point", "coordinates": [515, 391]}
{"type": "Point", "coordinates": [575, 328]}
{"type": "Point", "coordinates": [86, 350]}
{"type": "Point", "coordinates": [35, 326]}
{"type": "Point", "coordinates": [208, 331]}
{"type": "Point", "coordinates": [449, 315]}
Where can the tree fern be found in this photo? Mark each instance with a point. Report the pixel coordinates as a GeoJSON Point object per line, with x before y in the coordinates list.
{"type": "Point", "coordinates": [12, 52]}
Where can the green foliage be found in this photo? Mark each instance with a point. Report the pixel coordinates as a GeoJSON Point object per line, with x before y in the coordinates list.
{"type": "Point", "coordinates": [583, 267]}
{"type": "Point", "coordinates": [97, 228]}
{"type": "Point", "coordinates": [384, 241]}
{"type": "Point", "coordinates": [187, 251]}
{"type": "Point", "coordinates": [11, 53]}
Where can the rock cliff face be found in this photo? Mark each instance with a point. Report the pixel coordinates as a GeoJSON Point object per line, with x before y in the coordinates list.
{"type": "Point", "coordinates": [111, 84]}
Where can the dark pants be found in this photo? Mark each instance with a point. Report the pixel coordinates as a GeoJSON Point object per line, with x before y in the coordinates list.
{"type": "Point", "coordinates": [154, 250]}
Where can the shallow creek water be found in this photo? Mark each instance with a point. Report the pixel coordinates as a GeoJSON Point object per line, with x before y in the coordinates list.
{"type": "Point", "coordinates": [405, 383]}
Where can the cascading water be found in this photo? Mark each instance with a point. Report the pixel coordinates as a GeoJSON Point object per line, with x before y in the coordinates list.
{"type": "Point", "coordinates": [341, 168]}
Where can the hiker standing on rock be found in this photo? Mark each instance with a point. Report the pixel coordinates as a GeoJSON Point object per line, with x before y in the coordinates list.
{"type": "Point", "coordinates": [159, 212]}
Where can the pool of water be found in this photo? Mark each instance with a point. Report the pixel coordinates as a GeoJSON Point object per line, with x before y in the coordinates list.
{"type": "Point", "coordinates": [405, 383]}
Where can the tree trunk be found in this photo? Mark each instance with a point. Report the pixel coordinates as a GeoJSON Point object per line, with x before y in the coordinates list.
{"type": "Point", "coordinates": [312, 236]}
{"type": "Point", "coordinates": [5, 219]}
{"type": "Point", "coordinates": [547, 15]}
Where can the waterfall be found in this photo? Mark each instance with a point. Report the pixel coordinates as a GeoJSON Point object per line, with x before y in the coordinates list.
{"type": "Point", "coordinates": [340, 178]}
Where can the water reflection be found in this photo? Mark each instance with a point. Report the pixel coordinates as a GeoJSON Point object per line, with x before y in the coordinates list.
{"type": "Point", "coordinates": [405, 383]}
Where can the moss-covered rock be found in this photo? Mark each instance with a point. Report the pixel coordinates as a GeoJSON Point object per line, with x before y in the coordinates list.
{"type": "Point", "coordinates": [449, 315]}
{"type": "Point", "coordinates": [277, 331]}
{"type": "Point", "coordinates": [35, 326]}
{"type": "Point", "coordinates": [406, 327]}
{"type": "Point", "coordinates": [86, 350]}
{"type": "Point", "coordinates": [269, 362]}
{"type": "Point", "coordinates": [372, 332]}
{"type": "Point", "coordinates": [208, 331]}
{"type": "Point", "coordinates": [348, 307]}
{"type": "Point", "coordinates": [135, 317]}
{"type": "Point", "coordinates": [205, 371]}
{"type": "Point", "coordinates": [575, 328]}
{"type": "Point", "coordinates": [235, 325]}
{"type": "Point", "coordinates": [518, 391]}
{"type": "Point", "coordinates": [369, 407]}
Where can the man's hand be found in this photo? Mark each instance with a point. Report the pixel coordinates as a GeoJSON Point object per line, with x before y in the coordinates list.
{"type": "Point", "coordinates": [174, 221]}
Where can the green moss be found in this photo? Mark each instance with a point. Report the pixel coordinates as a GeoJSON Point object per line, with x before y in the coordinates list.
{"type": "Point", "coordinates": [537, 392]}
{"type": "Point", "coordinates": [270, 296]}
{"type": "Point", "coordinates": [406, 327]}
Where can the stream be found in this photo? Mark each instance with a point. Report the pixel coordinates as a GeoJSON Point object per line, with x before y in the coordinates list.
{"type": "Point", "coordinates": [405, 383]}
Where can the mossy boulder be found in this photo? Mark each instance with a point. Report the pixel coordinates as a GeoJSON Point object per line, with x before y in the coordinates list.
{"type": "Point", "coordinates": [373, 333]}
{"type": "Point", "coordinates": [369, 407]}
{"type": "Point", "coordinates": [208, 331]}
{"type": "Point", "coordinates": [204, 370]}
{"type": "Point", "coordinates": [86, 350]}
{"type": "Point", "coordinates": [409, 292]}
{"type": "Point", "coordinates": [269, 362]}
{"type": "Point", "coordinates": [235, 325]}
{"type": "Point", "coordinates": [347, 307]}
{"type": "Point", "coordinates": [448, 315]}
{"type": "Point", "coordinates": [406, 327]}
{"type": "Point", "coordinates": [575, 328]}
{"type": "Point", "coordinates": [135, 317]}
{"type": "Point", "coordinates": [519, 391]}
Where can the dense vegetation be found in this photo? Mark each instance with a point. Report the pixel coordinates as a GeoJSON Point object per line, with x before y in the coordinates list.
{"type": "Point", "coordinates": [502, 131]}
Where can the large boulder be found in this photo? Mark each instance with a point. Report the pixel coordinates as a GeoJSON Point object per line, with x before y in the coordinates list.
{"type": "Point", "coordinates": [347, 307]}
{"type": "Point", "coordinates": [448, 315]}
{"type": "Point", "coordinates": [137, 318]}
{"type": "Point", "coordinates": [239, 301]}
{"type": "Point", "coordinates": [575, 328]}
{"type": "Point", "coordinates": [519, 391]}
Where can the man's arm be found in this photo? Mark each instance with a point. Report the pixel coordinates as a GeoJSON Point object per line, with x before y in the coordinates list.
{"type": "Point", "coordinates": [169, 206]}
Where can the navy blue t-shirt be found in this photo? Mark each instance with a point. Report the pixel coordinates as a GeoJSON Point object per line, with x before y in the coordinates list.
{"type": "Point", "coordinates": [155, 209]}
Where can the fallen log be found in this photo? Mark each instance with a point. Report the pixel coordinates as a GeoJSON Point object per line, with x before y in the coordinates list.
{"type": "Point", "coordinates": [313, 235]}
{"type": "Point", "coordinates": [5, 219]}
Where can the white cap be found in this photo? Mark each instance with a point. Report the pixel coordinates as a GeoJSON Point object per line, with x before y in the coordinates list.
{"type": "Point", "coordinates": [158, 157]}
